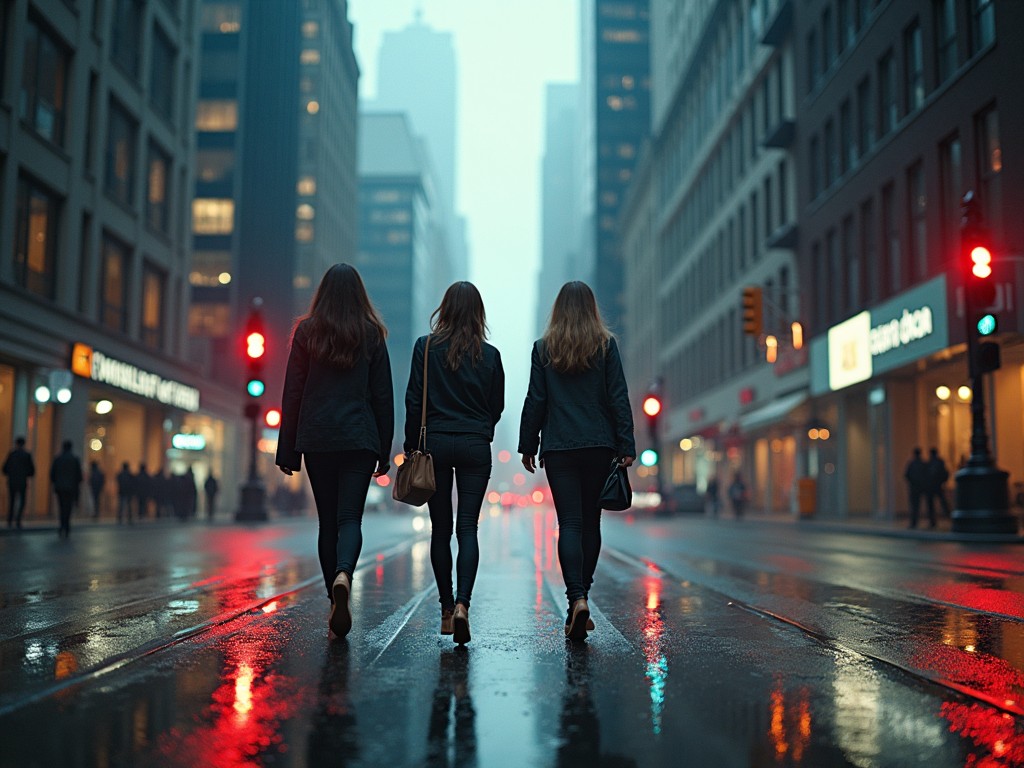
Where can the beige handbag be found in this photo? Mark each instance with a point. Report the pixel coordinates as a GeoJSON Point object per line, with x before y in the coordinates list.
{"type": "Point", "coordinates": [414, 480]}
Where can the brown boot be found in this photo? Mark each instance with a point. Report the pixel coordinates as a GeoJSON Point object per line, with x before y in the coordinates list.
{"type": "Point", "coordinates": [578, 618]}
{"type": "Point", "coordinates": [447, 616]}
{"type": "Point", "coordinates": [340, 621]}
{"type": "Point", "coordinates": [460, 624]}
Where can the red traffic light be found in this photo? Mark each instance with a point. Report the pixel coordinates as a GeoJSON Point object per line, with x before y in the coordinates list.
{"type": "Point", "coordinates": [272, 418]}
{"type": "Point", "coordinates": [255, 345]}
{"type": "Point", "coordinates": [981, 262]}
{"type": "Point", "coordinates": [652, 405]}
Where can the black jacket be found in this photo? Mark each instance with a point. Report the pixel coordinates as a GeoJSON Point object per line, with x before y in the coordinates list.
{"type": "Point", "coordinates": [467, 401]}
{"type": "Point", "coordinates": [66, 473]}
{"type": "Point", "coordinates": [589, 409]}
{"type": "Point", "coordinates": [324, 408]}
{"type": "Point", "coordinates": [19, 467]}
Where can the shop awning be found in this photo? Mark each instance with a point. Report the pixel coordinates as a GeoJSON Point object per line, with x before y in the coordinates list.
{"type": "Point", "coordinates": [771, 413]}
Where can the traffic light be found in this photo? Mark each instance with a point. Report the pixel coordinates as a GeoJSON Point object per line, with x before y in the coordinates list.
{"type": "Point", "coordinates": [979, 289]}
{"type": "Point", "coordinates": [255, 351]}
{"type": "Point", "coordinates": [753, 310]}
{"type": "Point", "coordinates": [272, 418]}
{"type": "Point", "coordinates": [649, 458]}
{"type": "Point", "coordinates": [652, 410]}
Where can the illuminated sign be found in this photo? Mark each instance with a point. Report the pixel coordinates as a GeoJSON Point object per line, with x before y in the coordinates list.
{"type": "Point", "coordinates": [849, 355]}
{"type": "Point", "coordinates": [185, 442]}
{"type": "Point", "coordinates": [90, 364]}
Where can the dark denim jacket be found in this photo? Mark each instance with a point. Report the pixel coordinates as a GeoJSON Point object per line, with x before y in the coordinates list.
{"type": "Point", "coordinates": [467, 401]}
{"type": "Point", "coordinates": [329, 409]}
{"type": "Point", "coordinates": [589, 409]}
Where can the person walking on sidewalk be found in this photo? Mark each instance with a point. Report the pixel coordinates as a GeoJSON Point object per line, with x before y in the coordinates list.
{"type": "Point", "coordinates": [916, 475]}
{"type": "Point", "coordinates": [66, 476]}
{"type": "Point", "coordinates": [738, 495]}
{"type": "Point", "coordinates": [936, 475]}
{"type": "Point", "coordinates": [125, 492]}
{"type": "Point", "coordinates": [577, 414]}
{"type": "Point", "coordinates": [465, 398]}
{"type": "Point", "coordinates": [18, 467]}
{"type": "Point", "coordinates": [211, 488]}
{"type": "Point", "coordinates": [96, 482]}
{"type": "Point", "coordinates": [338, 413]}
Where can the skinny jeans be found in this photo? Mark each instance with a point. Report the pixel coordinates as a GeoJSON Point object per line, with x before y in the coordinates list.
{"type": "Point", "coordinates": [340, 480]}
{"type": "Point", "coordinates": [576, 478]}
{"type": "Point", "coordinates": [16, 502]}
{"type": "Point", "coordinates": [464, 459]}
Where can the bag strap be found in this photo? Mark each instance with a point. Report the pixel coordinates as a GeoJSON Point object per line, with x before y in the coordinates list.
{"type": "Point", "coordinates": [421, 444]}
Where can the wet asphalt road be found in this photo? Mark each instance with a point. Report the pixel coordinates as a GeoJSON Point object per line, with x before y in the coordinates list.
{"type": "Point", "coordinates": [717, 644]}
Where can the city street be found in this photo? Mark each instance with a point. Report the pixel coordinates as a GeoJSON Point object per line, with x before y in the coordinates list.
{"type": "Point", "coordinates": [717, 642]}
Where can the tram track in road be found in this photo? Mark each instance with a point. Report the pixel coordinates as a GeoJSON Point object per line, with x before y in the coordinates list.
{"type": "Point", "coordinates": [254, 607]}
{"type": "Point", "coordinates": [899, 657]}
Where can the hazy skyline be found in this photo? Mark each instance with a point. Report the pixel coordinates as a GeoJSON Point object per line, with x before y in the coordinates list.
{"type": "Point", "coordinates": [505, 53]}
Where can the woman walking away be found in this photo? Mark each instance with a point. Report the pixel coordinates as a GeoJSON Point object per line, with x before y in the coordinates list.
{"type": "Point", "coordinates": [465, 398]}
{"type": "Point", "coordinates": [577, 401]}
{"type": "Point", "coordinates": [337, 412]}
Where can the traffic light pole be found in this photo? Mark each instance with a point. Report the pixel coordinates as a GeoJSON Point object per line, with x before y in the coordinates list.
{"type": "Point", "coordinates": [253, 506]}
{"type": "Point", "coordinates": [982, 490]}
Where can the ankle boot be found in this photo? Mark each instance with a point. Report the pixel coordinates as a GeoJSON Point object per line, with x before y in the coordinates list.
{"type": "Point", "coordinates": [460, 624]}
{"type": "Point", "coordinates": [578, 617]}
{"type": "Point", "coordinates": [447, 617]}
{"type": "Point", "coordinates": [340, 621]}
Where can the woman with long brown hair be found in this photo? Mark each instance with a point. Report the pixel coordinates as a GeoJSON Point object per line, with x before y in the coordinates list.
{"type": "Point", "coordinates": [577, 413]}
{"type": "Point", "coordinates": [338, 413]}
{"type": "Point", "coordinates": [465, 398]}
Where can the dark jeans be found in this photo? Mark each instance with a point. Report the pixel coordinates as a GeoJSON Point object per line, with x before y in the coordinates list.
{"type": "Point", "coordinates": [576, 478]}
{"type": "Point", "coordinates": [16, 503]}
{"type": "Point", "coordinates": [340, 480]}
{"type": "Point", "coordinates": [65, 502]}
{"type": "Point", "coordinates": [466, 459]}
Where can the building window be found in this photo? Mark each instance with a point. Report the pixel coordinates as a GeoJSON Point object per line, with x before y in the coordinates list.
{"type": "Point", "coordinates": [120, 166]}
{"type": "Point", "coordinates": [813, 67]}
{"type": "Point", "coordinates": [35, 240]}
{"type": "Point", "coordinates": [126, 35]}
{"type": "Point", "coordinates": [306, 186]}
{"type": "Point", "coordinates": [833, 277]}
{"type": "Point", "coordinates": [310, 56]}
{"type": "Point", "coordinates": [990, 168]}
{"type": "Point", "coordinates": [92, 110]}
{"type": "Point", "coordinates": [945, 39]}
{"type": "Point", "coordinates": [221, 18]}
{"type": "Point", "coordinates": [215, 166]}
{"type": "Point", "coordinates": [85, 261]}
{"type": "Point", "coordinates": [887, 110]}
{"type": "Point", "coordinates": [827, 37]}
{"type": "Point", "coordinates": [865, 117]}
{"type": "Point", "coordinates": [161, 74]}
{"type": "Point", "coordinates": [44, 83]}
{"type": "Point", "coordinates": [213, 216]}
{"type": "Point", "coordinates": [917, 203]}
{"type": "Point", "coordinates": [153, 288]}
{"type": "Point", "coordinates": [983, 24]}
{"type": "Point", "coordinates": [114, 285]}
{"type": "Point", "coordinates": [217, 115]}
{"type": "Point", "coordinates": [815, 166]}
{"type": "Point", "coordinates": [831, 154]}
{"type": "Point", "coordinates": [210, 268]}
{"type": "Point", "coordinates": [913, 66]}
{"type": "Point", "coordinates": [157, 189]}
{"type": "Point", "coordinates": [851, 258]}
{"type": "Point", "coordinates": [951, 169]}
{"type": "Point", "coordinates": [867, 248]}
{"type": "Point", "coordinates": [209, 320]}
{"type": "Point", "coordinates": [310, 30]}
{"type": "Point", "coordinates": [783, 194]}
{"type": "Point", "coordinates": [892, 257]}
{"type": "Point", "coordinates": [847, 28]}
{"type": "Point", "coordinates": [847, 150]}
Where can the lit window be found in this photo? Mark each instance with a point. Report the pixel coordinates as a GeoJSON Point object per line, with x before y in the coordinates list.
{"type": "Point", "coordinates": [621, 36]}
{"type": "Point", "coordinates": [210, 268]}
{"type": "Point", "coordinates": [313, 107]}
{"type": "Point", "coordinates": [225, 18]}
{"type": "Point", "coordinates": [615, 102]}
{"type": "Point", "coordinates": [310, 56]}
{"type": "Point", "coordinates": [305, 212]}
{"type": "Point", "coordinates": [213, 216]}
{"type": "Point", "coordinates": [307, 186]}
{"type": "Point", "coordinates": [217, 115]}
{"type": "Point", "coordinates": [302, 281]}
{"type": "Point", "coordinates": [310, 30]}
{"type": "Point", "coordinates": [209, 320]}
{"type": "Point", "coordinates": [304, 233]}
{"type": "Point", "coordinates": [628, 82]}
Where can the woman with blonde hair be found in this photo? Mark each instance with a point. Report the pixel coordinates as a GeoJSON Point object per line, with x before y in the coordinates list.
{"type": "Point", "coordinates": [338, 413]}
{"type": "Point", "coordinates": [578, 405]}
{"type": "Point", "coordinates": [465, 398]}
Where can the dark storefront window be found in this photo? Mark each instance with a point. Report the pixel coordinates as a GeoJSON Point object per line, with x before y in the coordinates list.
{"type": "Point", "coordinates": [161, 74]}
{"type": "Point", "coordinates": [120, 166]}
{"type": "Point", "coordinates": [44, 83]}
{"type": "Point", "coordinates": [153, 286]}
{"type": "Point", "coordinates": [158, 189]}
{"type": "Point", "coordinates": [126, 35]}
{"type": "Point", "coordinates": [35, 241]}
{"type": "Point", "coordinates": [114, 287]}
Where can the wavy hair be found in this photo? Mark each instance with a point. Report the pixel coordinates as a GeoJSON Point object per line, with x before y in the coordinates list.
{"type": "Point", "coordinates": [460, 319]}
{"type": "Point", "coordinates": [341, 319]}
{"type": "Point", "coordinates": [576, 334]}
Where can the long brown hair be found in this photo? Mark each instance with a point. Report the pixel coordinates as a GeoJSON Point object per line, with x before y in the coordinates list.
{"type": "Point", "coordinates": [341, 319]}
{"type": "Point", "coordinates": [461, 320]}
{"type": "Point", "coordinates": [575, 333]}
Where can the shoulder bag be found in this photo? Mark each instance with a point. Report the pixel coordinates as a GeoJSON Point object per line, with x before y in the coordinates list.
{"type": "Point", "coordinates": [414, 480]}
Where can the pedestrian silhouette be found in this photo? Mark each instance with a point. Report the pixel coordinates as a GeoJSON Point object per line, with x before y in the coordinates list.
{"type": "Point", "coordinates": [96, 482]}
{"type": "Point", "coordinates": [143, 491]}
{"type": "Point", "coordinates": [18, 467]}
{"type": "Point", "coordinates": [66, 477]}
{"type": "Point", "coordinates": [577, 413]}
{"type": "Point", "coordinates": [916, 475]}
{"type": "Point", "coordinates": [160, 490]}
{"type": "Point", "coordinates": [714, 502]}
{"type": "Point", "coordinates": [125, 493]}
{"type": "Point", "coordinates": [738, 495]}
{"type": "Point", "coordinates": [338, 416]}
{"type": "Point", "coordinates": [464, 400]}
{"type": "Point", "coordinates": [936, 476]}
{"type": "Point", "coordinates": [211, 487]}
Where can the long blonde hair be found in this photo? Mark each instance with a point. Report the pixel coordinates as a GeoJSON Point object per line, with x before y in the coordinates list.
{"type": "Point", "coordinates": [575, 333]}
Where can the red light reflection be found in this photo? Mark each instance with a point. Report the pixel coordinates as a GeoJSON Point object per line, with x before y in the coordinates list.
{"type": "Point", "coordinates": [790, 726]}
{"type": "Point", "coordinates": [996, 733]}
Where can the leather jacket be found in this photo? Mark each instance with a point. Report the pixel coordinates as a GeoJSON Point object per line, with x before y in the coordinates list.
{"type": "Point", "coordinates": [324, 408]}
{"type": "Point", "coordinates": [588, 409]}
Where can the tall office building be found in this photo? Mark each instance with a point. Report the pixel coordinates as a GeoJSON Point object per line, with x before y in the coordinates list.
{"type": "Point", "coordinates": [276, 179]}
{"type": "Point", "coordinates": [615, 112]}
{"type": "Point", "coordinates": [560, 227]}
{"type": "Point", "coordinates": [96, 157]}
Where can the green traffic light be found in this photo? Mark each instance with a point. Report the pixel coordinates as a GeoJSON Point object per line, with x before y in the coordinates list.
{"type": "Point", "coordinates": [987, 325]}
{"type": "Point", "coordinates": [649, 458]}
{"type": "Point", "coordinates": [255, 387]}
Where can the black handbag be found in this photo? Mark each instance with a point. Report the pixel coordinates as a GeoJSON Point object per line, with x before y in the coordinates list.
{"type": "Point", "coordinates": [616, 495]}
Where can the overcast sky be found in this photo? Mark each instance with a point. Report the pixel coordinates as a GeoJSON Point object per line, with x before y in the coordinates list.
{"type": "Point", "coordinates": [505, 53]}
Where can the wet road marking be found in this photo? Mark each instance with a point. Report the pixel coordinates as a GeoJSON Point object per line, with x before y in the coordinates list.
{"type": "Point", "coordinates": [385, 633]}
